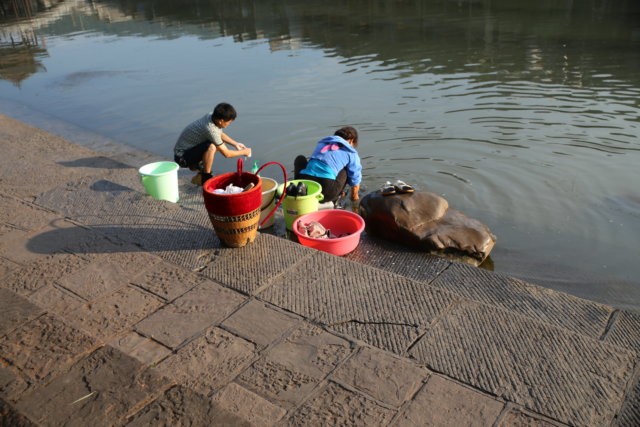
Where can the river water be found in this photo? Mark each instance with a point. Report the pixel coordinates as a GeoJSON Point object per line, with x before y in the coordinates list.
{"type": "Point", "coordinates": [523, 114]}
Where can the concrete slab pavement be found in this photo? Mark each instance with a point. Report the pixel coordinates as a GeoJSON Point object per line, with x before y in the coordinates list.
{"type": "Point", "coordinates": [118, 309]}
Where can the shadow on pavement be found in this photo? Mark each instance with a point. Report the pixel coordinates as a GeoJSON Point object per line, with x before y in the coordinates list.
{"type": "Point", "coordinates": [95, 162]}
{"type": "Point", "coordinates": [133, 234]}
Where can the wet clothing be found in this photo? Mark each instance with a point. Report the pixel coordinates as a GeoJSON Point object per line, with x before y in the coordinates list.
{"type": "Point", "coordinates": [333, 164]}
{"type": "Point", "coordinates": [195, 140]}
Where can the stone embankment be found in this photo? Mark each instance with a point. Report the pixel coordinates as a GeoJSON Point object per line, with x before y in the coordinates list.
{"type": "Point", "coordinates": [117, 309]}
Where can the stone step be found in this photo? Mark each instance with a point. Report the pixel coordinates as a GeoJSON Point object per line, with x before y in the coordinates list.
{"type": "Point", "coordinates": [181, 233]}
{"type": "Point", "coordinates": [532, 346]}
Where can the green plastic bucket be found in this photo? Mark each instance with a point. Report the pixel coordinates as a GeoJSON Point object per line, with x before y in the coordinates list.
{"type": "Point", "coordinates": [293, 207]}
{"type": "Point", "coordinates": [160, 180]}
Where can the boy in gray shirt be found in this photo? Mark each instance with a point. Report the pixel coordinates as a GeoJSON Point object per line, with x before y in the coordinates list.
{"type": "Point", "coordinates": [199, 141]}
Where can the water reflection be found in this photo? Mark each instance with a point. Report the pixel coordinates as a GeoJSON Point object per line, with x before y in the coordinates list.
{"type": "Point", "coordinates": [21, 58]}
{"type": "Point", "coordinates": [20, 46]}
{"type": "Point", "coordinates": [558, 55]}
{"type": "Point", "coordinates": [409, 37]}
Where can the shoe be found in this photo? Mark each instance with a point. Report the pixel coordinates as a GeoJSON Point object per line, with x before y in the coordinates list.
{"type": "Point", "coordinates": [403, 187]}
{"type": "Point", "coordinates": [292, 190]}
{"type": "Point", "coordinates": [205, 177]}
{"type": "Point", "coordinates": [197, 179]}
{"type": "Point", "coordinates": [387, 189]}
{"type": "Point", "coordinates": [302, 189]}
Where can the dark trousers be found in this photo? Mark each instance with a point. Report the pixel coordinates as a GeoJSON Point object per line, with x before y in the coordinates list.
{"type": "Point", "coordinates": [193, 156]}
{"type": "Point", "coordinates": [331, 188]}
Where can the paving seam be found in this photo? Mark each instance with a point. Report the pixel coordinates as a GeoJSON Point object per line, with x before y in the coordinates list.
{"type": "Point", "coordinates": [522, 298]}
{"type": "Point", "coordinates": [181, 345]}
{"type": "Point", "coordinates": [460, 299]}
{"type": "Point", "coordinates": [438, 274]}
{"type": "Point", "coordinates": [327, 377]}
{"type": "Point", "coordinates": [317, 388]}
{"type": "Point", "coordinates": [621, 398]}
{"type": "Point", "coordinates": [505, 410]}
{"type": "Point", "coordinates": [634, 380]}
{"type": "Point", "coordinates": [328, 380]}
{"type": "Point", "coordinates": [360, 345]}
{"type": "Point", "coordinates": [198, 334]}
{"type": "Point", "coordinates": [68, 291]}
{"type": "Point", "coordinates": [509, 406]}
{"type": "Point", "coordinates": [280, 339]}
{"type": "Point", "coordinates": [538, 303]}
{"type": "Point", "coordinates": [282, 272]}
{"type": "Point", "coordinates": [102, 343]}
{"type": "Point", "coordinates": [613, 318]}
{"type": "Point", "coordinates": [631, 404]}
{"type": "Point", "coordinates": [27, 202]}
{"type": "Point", "coordinates": [435, 321]}
{"type": "Point", "coordinates": [356, 391]}
{"type": "Point", "coordinates": [122, 420]}
{"type": "Point", "coordinates": [403, 408]}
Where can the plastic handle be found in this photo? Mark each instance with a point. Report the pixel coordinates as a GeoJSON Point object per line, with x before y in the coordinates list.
{"type": "Point", "coordinates": [284, 172]}
{"type": "Point", "coordinates": [239, 182]}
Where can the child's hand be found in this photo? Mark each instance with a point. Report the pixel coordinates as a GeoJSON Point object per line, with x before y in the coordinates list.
{"type": "Point", "coordinates": [240, 146]}
{"type": "Point", "coordinates": [355, 190]}
{"type": "Point", "coordinates": [247, 152]}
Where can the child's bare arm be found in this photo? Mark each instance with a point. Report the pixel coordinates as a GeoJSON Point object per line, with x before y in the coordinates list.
{"type": "Point", "coordinates": [354, 192]}
{"type": "Point", "coordinates": [226, 138]}
{"type": "Point", "coordinates": [234, 153]}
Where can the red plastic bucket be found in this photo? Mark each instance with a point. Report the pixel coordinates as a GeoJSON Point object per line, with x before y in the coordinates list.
{"type": "Point", "coordinates": [235, 217]}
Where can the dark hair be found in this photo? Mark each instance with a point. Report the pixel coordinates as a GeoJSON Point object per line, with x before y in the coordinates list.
{"type": "Point", "coordinates": [224, 111]}
{"type": "Point", "coordinates": [348, 132]}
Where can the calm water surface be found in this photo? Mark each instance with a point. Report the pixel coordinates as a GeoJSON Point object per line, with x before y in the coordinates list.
{"type": "Point", "coordinates": [523, 114]}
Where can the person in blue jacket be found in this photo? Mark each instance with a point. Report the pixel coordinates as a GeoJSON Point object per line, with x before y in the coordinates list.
{"type": "Point", "coordinates": [333, 164]}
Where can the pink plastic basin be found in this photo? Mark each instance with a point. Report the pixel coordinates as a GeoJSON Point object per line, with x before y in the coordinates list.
{"type": "Point", "coordinates": [339, 222]}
